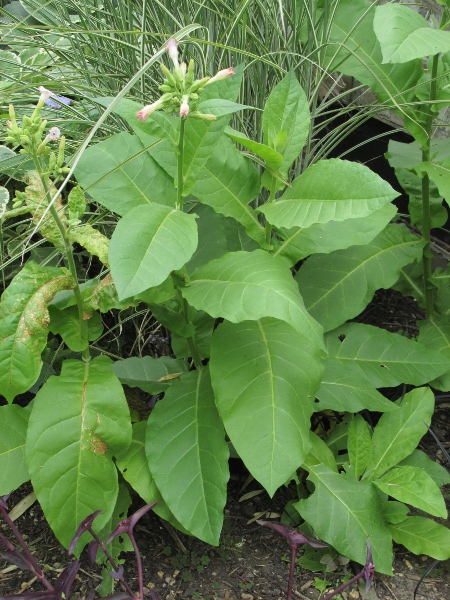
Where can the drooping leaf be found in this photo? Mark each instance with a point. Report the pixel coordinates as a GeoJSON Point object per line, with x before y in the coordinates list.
{"type": "Point", "coordinates": [120, 174]}
{"type": "Point", "coordinates": [345, 513]}
{"type": "Point", "coordinates": [385, 359]}
{"type": "Point", "coordinates": [324, 238]}
{"type": "Point", "coordinates": [23, 325]}
{"type": "Point", "coordinates": [272, 158]}
{"type": "Point", "coordinates": [338, 286]}
{"type": "Point", "coordinates": [434, 333]}
{"type": "Point", "coordinates": [314, 196]}
{"type": "Point", "coordinates": [220, 107]}
{"type": "Point", "coordinates": [147, 244]}
{"type": "Point", "coordinates": [436, 471]}
{"type": "Point", "coordinates": [13, 468]}
{"type": "Point", "coordinates": [244, 286]}
{"type": "Point", "coordinates": [153, 375]}
{"type": "Point", "coordinates": [228, 183]}
{"type": "Point", "coordinates": [188, 456]}
{"type": "Point", "coordinates": [397, 433]}
{"type": "Point", "coordinates": [394, 512]}
{"type": "Point", "coordinates": [359, 445]}
{"type": "Point", "coordinates": [404, 35]}
{"type": "Point", "coordinates": [319, 453]}
{"type": "Point", "coordinates": [439, 173]}
{"type": "Point", "coordinates": [343, 389]}
{"type": "Point", "coordinates": [413, 486]}
{"type": "Point", "coordinates": [66, 323]}
{"type": "Point", "coordinates": [79, 420]}
{"type": "Point", "coordinates": [265, 375]}
{"type": "Point", "coordinates": [285, 120]}
{"type": "Point", "coordinates": [422, 536]}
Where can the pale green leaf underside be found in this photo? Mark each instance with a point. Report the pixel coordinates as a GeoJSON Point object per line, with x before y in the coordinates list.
{"type": "Point", "coordinates": [338, 286]}
{"type": "Point", "coordinates": [120, 174]}
{"type": "Point", "coordinates": [422, 536]}
{"type": "Point", "coordinates": [188, 456]}
{"type": "Point", "coordinates": [153, 375]}
{"type": "Point", "coordinates": [385, 359]}
{"type": "Point", "coordinates": [265, 376]}
{"type": "Point", "coordinates": [345, 513]}
{"type": "Point", "coordinates": [13, 468]}
{"type": "Point", "coordinates": [147, 244]}
{"type": "Point", "coordinates": [413, 486]}
{"type": "Point", "coordinates": [73, 432]}
{"type": "Point", "coordinates": [243, 286]}
{"type": "Point", "coordinates": [405, 35]}
{"type": "Point", "coordinates": [439, 173]}
{"type": "Point", "coordinates": [315, 196]}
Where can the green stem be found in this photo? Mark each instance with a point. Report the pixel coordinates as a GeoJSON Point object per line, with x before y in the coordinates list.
{"type": "Point", "coordinates": [68, 255]}
{"type": "Point", "coordinates": [270, 201]}
{"type": "Point", "coordinates": [426, 213]}
{"type": "Point", "coordinates": [193, 350]}
{"type": "Point", "coordinates": [180, 165]}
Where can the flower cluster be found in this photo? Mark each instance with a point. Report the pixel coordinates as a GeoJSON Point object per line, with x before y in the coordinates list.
{"type": "Point", "coordinates": [180, 89]}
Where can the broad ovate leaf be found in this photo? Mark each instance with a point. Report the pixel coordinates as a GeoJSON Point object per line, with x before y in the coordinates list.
{"type": "Point", "coordinates": [120, 174]}
{"type": "Point", "coordinates": [434, 333]}
{"type": "Point", "coordinates": [24, 323]}
{"type": "Point", "coordinates": [330, 190]}
{"type": "Point", "coordinates": [422, 536]}
{"type": "Point", "coordinates": [79, 420]}
{"type": "Point", "coordinates": [265, 375]}
{"type": "Point", "coordinates": [359, 445]}
{"type": "Point", "coordinates": [404, 35]}
{"type": "Point", "coordinates": [243, 286]}
{"type": "Point", "coordinates": [338, 286]}
{"type": "Point", "coordinates": [188, 455]}
{"type": "Point", "coordinates": [13, 468]}
{"type": "Point", "coordinates": [272, 158]}
{"type": "Point", "coordinates": [398, 433]}
{"type": "Point", "coordinates": [66, 323]}
{"type": "Point", "coordinates": [345, 513]}
{"type": "Point", "coordinates": [412, 485]}
{"type": "Point", "coordinates": [153, 375]}
{"type": "Point", "coordinates": [147, 244]}
{"type": "Point", "coordinates": [438, 473]}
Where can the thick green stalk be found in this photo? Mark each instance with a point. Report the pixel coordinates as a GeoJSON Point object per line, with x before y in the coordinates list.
{"type": "Point", "coordinates": [180, 165]}
{"type": "Point", "coordinates": [426, 214]}
{"type": "Point", "coordinates": [68, 255]}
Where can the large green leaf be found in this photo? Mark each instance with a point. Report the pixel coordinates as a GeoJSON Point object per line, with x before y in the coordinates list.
{"type": "Point", "coordinates": [78, 422]}
{"type": "Point", "coordinates": [228, 183]}
{"type": "Point", "coordinates": [405, 35]}
{"type": "Point", "coordinates": [13, 468]}
{"type": "Point", "coordinates": [359, 445]}
{"type": "Point", "coordinates": [343, 389]}
{"type": "Point", "coordinates": [299, 243]}
{"type": "Point", "coordinates": [23, 325]}
{"type": "Point", "coordinates": [422, 536]}
{"type": "Point", "coordinates": [153, 375]}
{"type": "Point", "coordinates": [434, 333]}
{"type": "Point", "coordinates": [272, 158]}
{"type": "Point", "coordinates": [345, 513]}
{"type": "Point", "coordinates": [147, 244]}
{"type": "Point", "coordinates": [330, 190]}
{"type": "Point", "coordinates": [439, 173]}
{"type": "Point", "coordinates": [413, 486]}
{"type": "Point", "coordinates": [265, 376]}
{"type": "Point", "coordinates": [436, 471]}
{"type": "Point", "coordinates": [120, 174]}
{"type": "Point", "coordinates": [354, 50]}
{"type": "Point", "coordinates": [384, 359]}
{"type": "Point", "coordinates": [243, 286]}
{"type": "Point", "coordinates": [338, 286]}
{"type": "Point", "coordinates": [397, 433]}
{"type": "Point", "coordinates": [286, 119]}
{"type": "Point", "coordinates": [188, 456]}
{"type": "Point", "coordinates": [67, 324]}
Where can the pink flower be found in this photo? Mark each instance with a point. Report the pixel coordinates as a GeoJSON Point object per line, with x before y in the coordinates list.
{"type": "Point", "coordinates": [147, 110]}
{"type": "Point", "coordinates": [184, 109]}
{"type": "Point", "coordinates": [172, 50]}
{"type": "Point", "coordinates": [45, 94]}
{"type": "Point", "coordinates": [223, 74]}
{"type": "Point", "coordinates": [54, 134]}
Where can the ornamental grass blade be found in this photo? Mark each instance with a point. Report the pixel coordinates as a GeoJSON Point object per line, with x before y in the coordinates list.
{"type": "Point", "coordinates": [265, 376]}
{"type": "Point", "coordinates": [338, 286]}
{"type": "Point", "coordinates": [244, 286]}
{"type": "Point", "coordinates": [314, 197]}
{"type": "Point", "coordinates": [23, 325]}
{"type": "Point", "coordinates": [13, 468]}
{"type": "Point", "coordinates": [148, 243]}
{"type": "Point", "coordinates": [79, 420]}
{"type": "Point", "coordinates": [188, 456]}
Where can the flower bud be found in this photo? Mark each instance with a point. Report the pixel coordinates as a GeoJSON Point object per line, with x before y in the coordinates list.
{"type": "Point", "coordinates": [147, 110]}
{"type": "Point", "coordinates": [54, 134]}
{"type": "Point", "coordinates": [184, 108]}
{"type": "Point", "coordinates": [223, 74]}
{"type": "Point", "coordinates": [199, 83]}
{"type": "Point", "coordinates": [190, 74]}
{"type": "Point", "coordinates": [204, 116]}
{"type": "Point", "coordinates": [45, 94]}
{"type": "Point", "coordinates": [172, 51]}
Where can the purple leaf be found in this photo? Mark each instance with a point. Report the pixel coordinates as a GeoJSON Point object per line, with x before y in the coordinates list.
{"type": "Point", "coordinates": [17, 558]}
{"type": "Point", "coordinates": [92, 552]}
{"type": "Point", "coordinates": [294, 536]}
{"type": "Point", "coordinates": [369, 568]}
{"type": "Point", "coordinates": [117, 574]}
{"type": "Point", "coordinates": [118, 596]}
{"type": "Point", "coordinates": [60, 100]}
{"type": "Point", "coordinates": [85, 525]}
{"type": "Point", "coordinates": [127, 525]}
{"type": "Point", "coordinates": [154, 595]}
{"type": "Point", "coordinates": [66, 578]}
{"type": "Point", "coordinates": [33, 596]}
{"type": "Point", "coordinates": [4, 501]}
{"type": "Point", "coordinates": [6, 543]}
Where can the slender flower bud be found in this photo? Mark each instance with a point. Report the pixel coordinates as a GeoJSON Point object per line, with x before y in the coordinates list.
{"type": "Point", "coordinates": [190, 74]}
{"type": "Point", "coordinates": [172, 51]}
{"type": "Point", "coordinates": [223, 74]}
{"type": "Point", "coordinates": [183, 68]}
{"type": "Point", "coordinates": [45, 94]}
{"type": "Point", "coordinates": [147, 110]}
{"type": "Point", "coordinates": [184, 108]}
{"type": "Point", "coordinates": [204, 116]}
{"type": "Point", "coordinates": [12, 115]}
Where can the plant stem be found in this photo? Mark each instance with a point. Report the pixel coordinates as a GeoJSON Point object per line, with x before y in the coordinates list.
{"type": "Point", "coordinates": [342, 587]}
{"type": "Point", "coordinates": [426, 214]}
{"type": "Point", "coordinates": [180, 165]}
{"type": "Point", "coordinates": [291, 571]}
{"type": "Point", "coordinates": [270, 201]}
{"type": "Point", "coordinates": [139, 568]}
{"type": "Point", "coordinates": [112, 562]}
{"type": "Point", "coordinates": [193, 350]}
{"type": "Point", "coordinates": [68, 255]}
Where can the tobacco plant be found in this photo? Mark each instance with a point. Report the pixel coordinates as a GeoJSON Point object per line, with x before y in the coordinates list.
{"type": "Point", "coordinates": [255, 274]}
